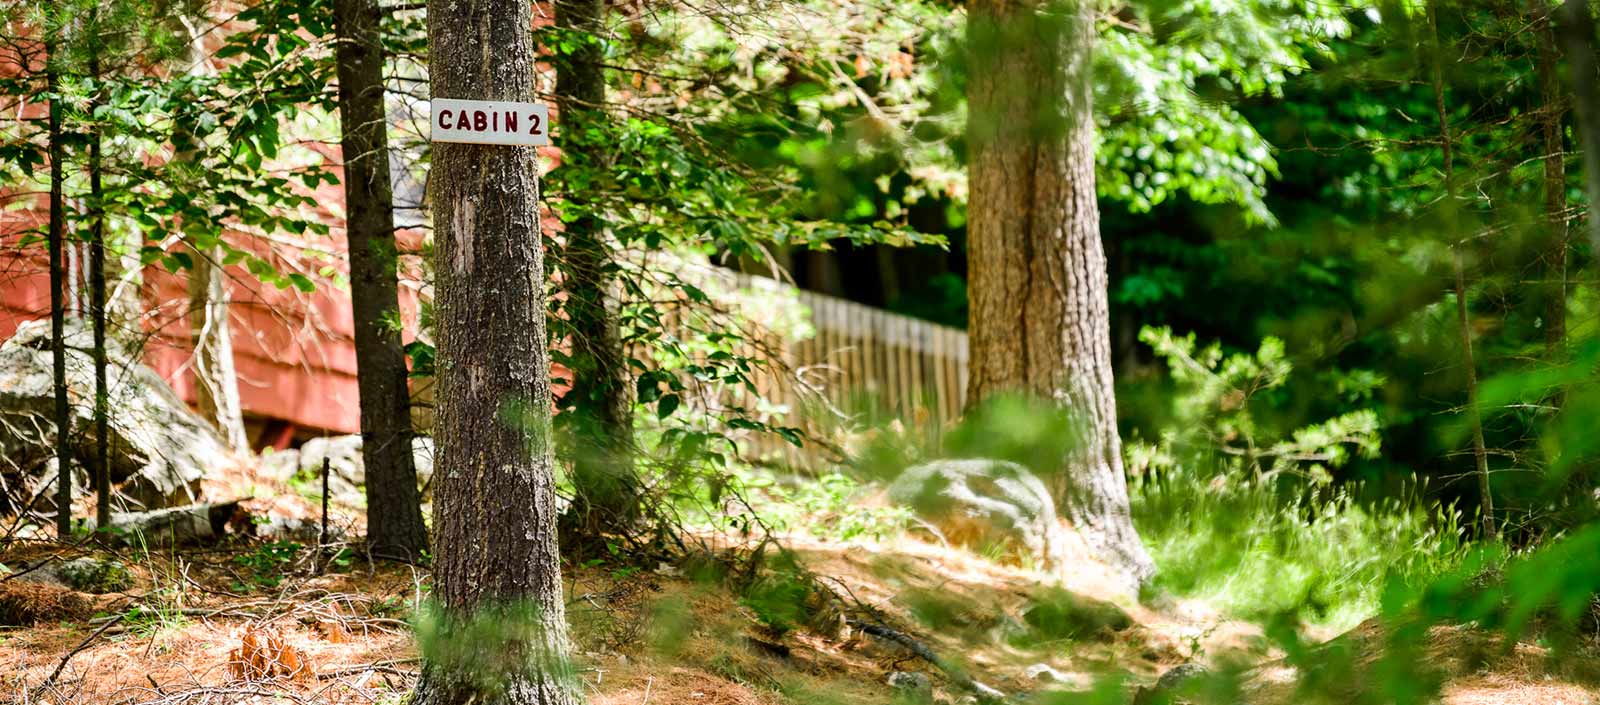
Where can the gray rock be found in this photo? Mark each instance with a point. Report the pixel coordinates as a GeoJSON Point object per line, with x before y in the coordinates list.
{"type": "Point", "coordinates": [306, 532]}
{"type": "Point", "coordinates": [911, 683]}
{"type": "Point", "coordinates": [1044, 673]}
{"type": "Point", "coordinates": [984, 503]}
{"type": "Point", "coordinates": [92, 575]}
{"type": "Point", "coordinates": [347, 472]}
{"type": "Point", "coordinates": [159, 449]}
{"type": "Point", "coordinates": [1172, 685]}
{"type": "Point", "coordinates": [95, 575]}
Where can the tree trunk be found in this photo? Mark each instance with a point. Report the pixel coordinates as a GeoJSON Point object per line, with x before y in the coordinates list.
{"type": "Point", "coordinates": [1036, 265]}
{"type": "Point", "coordinates": [97, 311]}
{"type": "Point", "coordinates": [216, 384]}
{"type": "Point", "coordinates": [58, 347]}
{"type": "Point", "coordinates": [1554, 286]}
{"type": "Point", "coordinates": [394, 505]}
{"type": "Point", "coordinates": [493, 424]}
{"type": "Point", "coordinates": [1575, 27]}
{"type": "Point", "coordinates": [216, 387]}
{"type": "Point", "coordinates": [606, 492]}
{"type": "Point", "coordinates": [1447, 149]}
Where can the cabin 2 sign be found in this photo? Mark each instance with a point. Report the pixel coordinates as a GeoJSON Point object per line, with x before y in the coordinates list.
{"type": "Point", "coordinates": [490, 122]}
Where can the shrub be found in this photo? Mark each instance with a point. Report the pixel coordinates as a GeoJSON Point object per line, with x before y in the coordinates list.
{"type": "Point", "coordinates": [1251, 519]}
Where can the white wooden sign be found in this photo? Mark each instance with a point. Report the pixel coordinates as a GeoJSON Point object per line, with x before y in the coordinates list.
{"type": "Point", "coordinates": [490, 122]}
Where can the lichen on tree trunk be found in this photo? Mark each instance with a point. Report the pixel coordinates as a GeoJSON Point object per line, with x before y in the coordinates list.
{"type": "Point", "coordinates": [494, 487]}
{"type": "Point", "coordinates": [1037, 277]}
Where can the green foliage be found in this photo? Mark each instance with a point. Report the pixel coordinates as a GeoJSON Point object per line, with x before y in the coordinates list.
{"type": "Point", "coordinates": [831, 505]}
{"type": "Point", "coordinates": [1060, 615]}
{"type": "Point", "coordinates": [1256, 546]}
{"type": "Point", "coordinates": [496, 645]}
{"type": "Point", "coordinates": [265, 566]}
{"type": "Point", "coordinates": [1263, 540]}
{"type": "Point", "coordinates": [1219, 399]}
{"type": "Point", "coordinates": [781, 593]}
{"type": "Point", "coordinates": [152, 618]}
{"type": "Point", "coordinates": [96, 576]}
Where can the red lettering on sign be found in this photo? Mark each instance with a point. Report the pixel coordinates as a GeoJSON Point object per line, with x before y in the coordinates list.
{"type": "Point", "coordinates": [444, 119]}
{"type": "Point", "coordinates": [480, 121]}
{"type": "Point", "coordinates": [511, 121]}
{"type": "Point", "coordinates": [464, 122]}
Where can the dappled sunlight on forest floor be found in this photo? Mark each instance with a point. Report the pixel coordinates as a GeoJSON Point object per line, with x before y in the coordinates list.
{"type": "Point", "coordinates": [660, 637]}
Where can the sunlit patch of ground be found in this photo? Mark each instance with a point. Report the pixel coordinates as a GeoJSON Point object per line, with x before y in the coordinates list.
{"type": "Point", "coordinates": [656, 637]}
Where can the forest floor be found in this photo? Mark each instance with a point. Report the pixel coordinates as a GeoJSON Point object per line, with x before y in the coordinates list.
{"type": "Point", "coordinates": [178, 635]}
{"type": "Point", "coordinates": [247, 621]}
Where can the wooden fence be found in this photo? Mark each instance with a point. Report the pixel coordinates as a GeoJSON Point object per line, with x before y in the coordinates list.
{"type": "Point", "coordinates": [859, 368]}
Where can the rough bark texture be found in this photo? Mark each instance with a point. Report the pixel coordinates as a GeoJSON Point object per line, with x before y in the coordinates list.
{"type": "Point", "coordinates": [58, 312]}
{"type": "Point", "coordinates": [1575, 27]}
{"type": "Point", "coordinates": [97, 312]}
{"type": "Point", "coordinates": [605, 488]}
{"type": "Point", "coordinates": [494, 502]}
{"type": "Point", "coordinates": [1036, 266]}
{"type": "Point", "coordinates": [394, 505]}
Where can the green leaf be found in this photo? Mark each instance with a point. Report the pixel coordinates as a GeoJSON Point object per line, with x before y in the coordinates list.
{"type": "Point", "coordinates": [667, 405]}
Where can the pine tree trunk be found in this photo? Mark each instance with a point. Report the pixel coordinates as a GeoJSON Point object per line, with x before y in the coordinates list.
{"type": "Point", "coordinates": [606, 492]}
{"type": "Point", "coordinates": [1575, 28]}
{"type": "Point", "coordinates": [394, 505]}
{"type": "Point", "coordinates": [97, 311]}
{"type": "Point", "coordinates": [494, 502]}
{"type": "Point", "coordinates": [58, 348]}
{"type": "Point", "coordinates": [1555, 195]}
{"type": "Point", "coordinates": [1037, 277]}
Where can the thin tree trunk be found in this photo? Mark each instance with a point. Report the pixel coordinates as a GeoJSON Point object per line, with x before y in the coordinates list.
{"type": "Point", "coordinates": [97, 311]}
{"type": "Point", "coordinates": [1555, 193]}
{"type": "Point", "coordinates": [1575, 27]}
{"type": "Point", "coordinates": [1554, 286]}
{"type": "Point", "coordinates": [58, 347]}
{"type": "Point", "coordinates": [495, 550]}
{"type": "Point", "coordinates": [1037, 277]}
{"type": "Point", "coordinates": [216, 383]}
{"type": "Point", "coordinates": [1447, 148]}
{"type": "Point", "coordinates": [394, 505]}
{"type": "Point", "coordinates": [606, 492]}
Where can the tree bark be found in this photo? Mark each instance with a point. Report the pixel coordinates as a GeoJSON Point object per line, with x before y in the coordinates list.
{"type": "Point", "coordinates": [1575, 27]}
{"type": "Point", "coordinates": [394, 504]}
{"type": "Point", "coordinates": [56, 238]}
{"type": "Point", "coordinates": [216, 387]}
{"type": "Point", "coordinates": [606, 492]}
{"type": "Point", "coordinates": [1447, 149]}
{"type": "Point", "coordinates": [216, 383]}
{"type": "Point", "coordinates": [97, 312]}
{"type": "Point", "coordinates": [493, 424]}
{"type": "Point", "coordinates": [1036, 265]}
{"type": "Point", "coordinates": [1554, 286]}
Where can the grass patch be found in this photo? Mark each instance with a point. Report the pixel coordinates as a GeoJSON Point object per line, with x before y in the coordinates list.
{"type": "Point", "coordinates": [1238, 542]}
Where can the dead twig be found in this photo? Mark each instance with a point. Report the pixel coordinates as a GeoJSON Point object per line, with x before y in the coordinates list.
{"type": "Point", "coordinates": [80, 647]}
